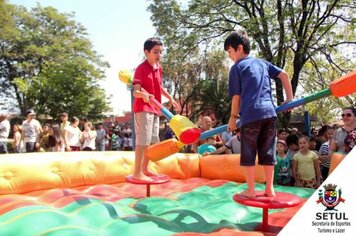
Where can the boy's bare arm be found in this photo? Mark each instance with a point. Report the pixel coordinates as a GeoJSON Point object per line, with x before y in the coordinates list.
{"type": "Point", "coordinates": [235, 109]}
{"type": "Point", "coordinates": [140, 94]}
{"type": "Point", "coordinates": [284, 77]}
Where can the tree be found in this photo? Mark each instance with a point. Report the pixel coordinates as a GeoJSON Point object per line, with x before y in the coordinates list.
{"type": "Point", "coordinates": [325, 109]}
{"type": "Point", "coordinates": [287, 33]}
{"type": "Point", "coordinates": [47, 63]}
{"type": "Point", "coordinates": [199, 83]}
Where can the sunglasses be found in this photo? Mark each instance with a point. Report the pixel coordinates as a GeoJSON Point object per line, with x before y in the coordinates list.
{"type": "Point", "coordinates": [347, 115]}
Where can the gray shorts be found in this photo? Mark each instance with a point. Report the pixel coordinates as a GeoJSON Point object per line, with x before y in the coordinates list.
{"type": "Point", "coordinates": [146, 128]}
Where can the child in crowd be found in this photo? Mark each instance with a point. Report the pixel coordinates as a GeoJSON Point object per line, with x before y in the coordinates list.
{"type": "Point", "coordinates": [207, 147]}
{"type": "Point", "coordinates": [115, 140]}
{"type": "Point", "coordinates": [147, 83]}
{"type": "Point", "coordinates": [17, 142]}
{"type": "Point", "coordinates": [88, 137]}
{"type": "Point", "coordinates": [282, 134]}
{"type": "Point", "coordinates": [323, 153]}
{"type": "Point", "coordinates": [232, 146]}
{"type": "Point", "coordinates": [250, 89]}
{"type": "Point", "coordinates": [44, 139]}
{"type": "Point", "coordinates": [56, 139]}
{"type": "Point", "coordinates": [292, 141]}
{"type": "Point", "coordinates": [283, 169]}
{"type": "Point", "coordinates": [312, 144]}
{"type": "Point", "coordinates": [306, 167]}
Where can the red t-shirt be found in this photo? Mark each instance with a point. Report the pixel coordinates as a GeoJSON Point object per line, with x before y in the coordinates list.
{"type": "Point", "coordinates": [150, 79]}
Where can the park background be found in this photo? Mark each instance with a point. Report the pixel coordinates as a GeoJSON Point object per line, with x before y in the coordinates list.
{"type": "Point", "coordinates": [314, 43]}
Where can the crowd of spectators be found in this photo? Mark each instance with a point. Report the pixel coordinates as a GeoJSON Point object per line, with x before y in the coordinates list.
{"type": "Point", "coordinates": [70, 134]}
{"type": "Point", "coordinates": [301, 160]}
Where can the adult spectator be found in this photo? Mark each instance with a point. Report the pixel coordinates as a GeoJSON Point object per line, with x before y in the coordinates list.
{"type": "Point", "coordinates": [31, 130]}
{"type": "Point", "coordinates": [72, 135]}
{"type": "Point", "coordinates": [344, 138]}
{"type": "Point", "coordinates": [100, 138]}
{"type": "Point", "coordinates": [226, 136]}
{"type": "Point", "coordinates": [4, 132]}
{"type": "Point", "coordinates": [207, 125]}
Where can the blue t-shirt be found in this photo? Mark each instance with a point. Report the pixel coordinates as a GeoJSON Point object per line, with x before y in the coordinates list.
{"type": "Point", "coordinates": [250, 78]}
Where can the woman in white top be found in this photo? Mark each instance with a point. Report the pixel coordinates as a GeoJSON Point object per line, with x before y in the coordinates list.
{"type": "Point", "coordinates": [87, 138]}
{"type": "Point", "coordinates": [72, 135]}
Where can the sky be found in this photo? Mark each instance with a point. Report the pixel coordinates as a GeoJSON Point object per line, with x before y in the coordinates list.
{"type": "Point", "coordinates": [117, 30]}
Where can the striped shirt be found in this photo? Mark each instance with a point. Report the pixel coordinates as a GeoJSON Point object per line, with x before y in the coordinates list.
{"type": "Point", "coordinates": [324, 150]}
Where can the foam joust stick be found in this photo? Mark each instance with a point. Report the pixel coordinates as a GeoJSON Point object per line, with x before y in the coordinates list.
{"type": "Point", "coordinates": [163, 149]}
{"type": "Point", "coordinates": [341, 87]}
{"type": "Point", "coordinates": [183, 128]}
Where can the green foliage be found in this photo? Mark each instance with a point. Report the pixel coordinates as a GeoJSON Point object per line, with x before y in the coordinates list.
{"type": "Point", "coordinates": [47, 63]}
{"type": "Point", "coordinates": [213, 96]}
{"type": "Point", "coordinates": [327, 109]}
{"type": "Point", "coordinates": [287, 33]}
{"type": "Point", "coordinates": [199, 83]}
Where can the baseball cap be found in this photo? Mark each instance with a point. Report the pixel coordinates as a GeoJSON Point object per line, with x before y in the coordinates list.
{"type": "Point", "coordinates": [30, 112]}
{"type": "Point", "coordinates": [282, 142]}
{"type": "Point", "coordinates": [64, 114]}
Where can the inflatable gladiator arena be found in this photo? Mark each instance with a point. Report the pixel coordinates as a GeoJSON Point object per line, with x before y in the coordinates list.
{"type": "Point", "coordinates": [88, 193]}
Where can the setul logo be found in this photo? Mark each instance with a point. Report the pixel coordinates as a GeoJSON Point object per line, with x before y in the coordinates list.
{"type": "Point", "coordinates": [330, 220]}
{"type": "Point", "coordinates": [330, 198]}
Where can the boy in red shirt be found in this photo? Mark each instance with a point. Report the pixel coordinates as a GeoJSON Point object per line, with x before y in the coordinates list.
{"type": "Point", "coordinates": [148, 75]}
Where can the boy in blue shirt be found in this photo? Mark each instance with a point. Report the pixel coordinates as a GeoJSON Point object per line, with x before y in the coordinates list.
{"type": "Point", "coordinates": [250, 89]}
